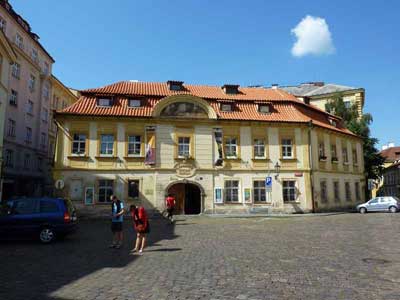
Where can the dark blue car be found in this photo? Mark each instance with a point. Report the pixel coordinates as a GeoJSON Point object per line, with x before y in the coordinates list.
{"type": "Point", "coordinates": [42, 218]}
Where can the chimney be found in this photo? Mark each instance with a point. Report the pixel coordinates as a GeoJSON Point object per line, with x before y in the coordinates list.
{"type": "Point", "coordinates": [230, 88]}
{"type": "Point", "coordinates": [274, 86]}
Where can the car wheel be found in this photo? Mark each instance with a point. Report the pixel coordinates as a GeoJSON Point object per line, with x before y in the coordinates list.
{"type": "Point", "coordinates": [47, 235]}
{"type": "Point", "coordinates": [393, 209]}
{"type": "Point", "coordinates": [362, 210]}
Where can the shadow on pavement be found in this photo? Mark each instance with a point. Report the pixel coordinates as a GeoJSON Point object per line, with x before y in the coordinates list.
{"type": "Point", "coordinates": [30, 270]}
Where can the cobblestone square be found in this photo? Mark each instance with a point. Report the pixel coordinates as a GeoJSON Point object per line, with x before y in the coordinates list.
{"type": "Point", "coordinates": [343, 256]}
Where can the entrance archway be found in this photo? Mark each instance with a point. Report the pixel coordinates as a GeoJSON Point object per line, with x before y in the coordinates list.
{"type": "Point", "coordinates": [187, 197]}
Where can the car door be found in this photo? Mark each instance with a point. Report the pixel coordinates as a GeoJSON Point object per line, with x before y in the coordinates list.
{"type": "Point", "coordinates": [373, 204]}
{"type": "Point", "coordinates": [383, 203]}
{"type": "Point", "coordinates": [24, 217]}
{"type": "Point", "coordinates": [6, 220]}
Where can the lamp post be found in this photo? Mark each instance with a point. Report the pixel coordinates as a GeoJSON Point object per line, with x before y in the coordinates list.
{"type": "Point", "coordinates": [277, 170]}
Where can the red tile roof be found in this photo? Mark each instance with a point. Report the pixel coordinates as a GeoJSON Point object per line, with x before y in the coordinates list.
{"type": "Point", "coordinates": [391, 154]}
{"type": "Point", "coordinates": [285, 107]}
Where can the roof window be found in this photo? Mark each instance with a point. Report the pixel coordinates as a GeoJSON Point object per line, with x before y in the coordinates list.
{"type": "Point", "coordinates": [104, 102]}
{"type": "Point", "coordinates": [264, 108]}
{"type": "Point", "coordinates": [227, 107]}
{"type": "Point", "coordinates": [333, 122]}
{"type": "Point", "coordinates": [175, 85]}
{"type": "Point", "coordinates": [230, 88]}
{"type": "Point", "coordinates": [134, 103]}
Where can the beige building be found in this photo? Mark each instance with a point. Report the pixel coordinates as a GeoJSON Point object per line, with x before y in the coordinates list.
{"type": "Point", "coordinates": [320, 93]}
{"type": "Point", "coordinates": [217, 149]}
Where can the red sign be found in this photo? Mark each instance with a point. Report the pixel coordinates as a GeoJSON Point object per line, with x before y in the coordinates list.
{"type": "Point", "coordinates": [298, 174]}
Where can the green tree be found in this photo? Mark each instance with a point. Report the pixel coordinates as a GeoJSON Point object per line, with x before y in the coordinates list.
{"type": "Point", "coordinates": [359, 125]}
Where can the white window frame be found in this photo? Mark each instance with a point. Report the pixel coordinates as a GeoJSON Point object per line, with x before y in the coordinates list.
{"type": "Point", "coordinates": [231, 147]}
{"type": "Point", "coordinates": [287, 147]}
{"type": "Point", "coordinates": [184, 146]}
{"type": "Point", "coordinates": [78, 140]}
{"type": "Point", "coordinates": [13, 98]}
{"type": "Point", "coordinates": [19, 41]}
{"type": "Point", "coordinates": [109, 151]}
{"type": "Point", "coordinates": [11, 128]}
{"type": "Point", "coordinates": [229, 191]}
{"type": "Point", "coordinates": [46, 92]}
{"type": "Point", "coordinates": [134, 143]}
{"type": "Point", "coordinates": [259, 148]}
{"type": "Point", "coordinates": [291, 190]}
{"type": "Point", "coordinates": [31, 83]}
{"type": "Point", "coordinates": [16, 70]}
{"type": "Point", "coordinates": [35, 55]}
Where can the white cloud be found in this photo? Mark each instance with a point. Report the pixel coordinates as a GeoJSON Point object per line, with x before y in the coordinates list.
{"type": "Point", "coordinates": [313, 37]}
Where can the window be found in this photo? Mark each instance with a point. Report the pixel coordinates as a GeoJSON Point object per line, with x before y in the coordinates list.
{"type": "Point", "coordinates": [374, 201]}
{"type": "Point", "coordinates": [48, 206]}
{"type": "Point", "coordinates": [231, 191]}
{"type": "Point", "coordinates": [29, 107]}
{"type": "Point", "coordinates": [105, 190]}
{"type": "Point", "coordinates": [355, 158]}
{"type": "Point", "coordinates": [107, 144]}
{"type": "Point", "coordinates": [347, 104]}
{"type": "Point", "coordinates": [14, 98]}
{"type": "Point", "coordinates": [345, 155]}
{"type": "Point", "coordinates": [289, 190]}
{"type": "Point", "coordinates": [9, 161]}
{"type": "Point", "coordinates": [31, 83]}
{"type": "Point", "coordinates": [46, 92]}
{"type": "Point", "coordinates": [27, 161]}
{"type": "Point", "coordinates": [19, 41]}
{"type": "Point", "coordinates": [336, 191]}
{"type": "Point", "coordinates": [39, 164]}
{"type": "Point", "coordinates": [24, 206]}
{"type": "Point", "coordinates": [45, 115]}
{"type": "Point", "coordinates": [46, 68]}
{"type": "Point", "coordinates": [79, 144]}
{"type": "Point", "coordinates": [321, 150]}
{"type": "Point", "coordinates": [134, 145]}
{"type": "Point", "coordinates": [16, 70]}
{"type": "Point", "coordinates": [264, 108]}
{"type": "Point", "coordinates": [43, 140]}
{"type": "Point", "coordinates": [34, 55]}
{"type": "Point", "coordinates": [226, 107]}
{"type": "Point", "coordinates": [184, 110]}
{"type": "Point", "coordinates": [231, 147]}
{"type": "Point", "coordinates": [3, 24]}
{"type": "Point", "coordinates": [347, 190]}
{"type": "Point", "coordinates": [105, 102]}
{"type": "Point", "coordinates": [259, 194]}
{"type": "Point", "coordinates": [259, 148]}
{"type": "Point", "coordinates": [287, 148]}
{"type": "Point", "coordinates": [134, 103]}
{"type": "Point", "coordinates": [11, 128]}
{"type": "Point", "coordinates": [183, 147]}
{"type": "Point", "coordinates": [324, 194]}
{"type": "Point", "coordinates": [133, 189]}
{"type": "Point", "coordinates": [357, 188]}
{"type": "Point", "coordinates": [334, 152]}
{"type": "Point", "coordinates": [28, 137]}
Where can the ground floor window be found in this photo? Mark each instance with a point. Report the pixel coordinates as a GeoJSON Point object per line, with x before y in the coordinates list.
{"type": "Point", "coordinates": [259, 191]}
{"type": "Point", "coordinates": [231, 192]}
{"type": "Point", "coordinates": [106, 190]}
{"type": "Point", "coordinates": [357, 188]}
{"type": "Point", "coordinates": [324, 194]}
{"type": "Point", "coordinates": [133, 189]}
{"type": "Point", "coordinates": [289, 190]}
{"type": "Point", "coordinates": [336, 193]}
{"type": "Point", "coordinates": [347, 190]}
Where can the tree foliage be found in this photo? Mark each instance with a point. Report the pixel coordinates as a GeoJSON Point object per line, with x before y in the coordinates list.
{"type": "Point", "coordinates": [359, 125]}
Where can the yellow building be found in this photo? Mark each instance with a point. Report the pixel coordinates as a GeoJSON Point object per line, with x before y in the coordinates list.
{"type": "Point", "coordinates": [320, 93]}
{"type": "Point", "coordinates": [217, 149]}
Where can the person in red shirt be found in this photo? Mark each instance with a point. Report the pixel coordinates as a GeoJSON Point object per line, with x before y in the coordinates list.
{"type": "Point", "coordinates": [141, 225]}
{"type": "Point", "coordinates": [170, 203]}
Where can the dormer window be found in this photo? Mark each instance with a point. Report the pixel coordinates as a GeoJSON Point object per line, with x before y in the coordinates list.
{"type": "Point", "coordinates": [264, 108]}
{"type": "Point", "coordinates": [333, 122]}
{"type": "Point", "coordinates": [227, 107]}
{"type": "Point", "coordinates": [104, 102]}
{"type": "Point", "coordinates": [175, 85]}
{"type": "Point", "coordinates": [134, 103]}
{"type": "Point", "coordinates": [230, 88]}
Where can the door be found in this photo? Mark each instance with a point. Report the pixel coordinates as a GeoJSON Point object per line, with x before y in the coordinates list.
{"type": "Point", "coordinates": [192, 199]}
{"type": "Point", "coordinates": [373, 205]}
{"type": "Point", "coordinates": [178, 191]}
{"type": "Point", "coordinates": [24, 217]}
{"type": "Point", "coordinates": [75, 190]}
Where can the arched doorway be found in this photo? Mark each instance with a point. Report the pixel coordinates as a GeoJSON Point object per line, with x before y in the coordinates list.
{"type": "Point", "coordinates": [187, 198]}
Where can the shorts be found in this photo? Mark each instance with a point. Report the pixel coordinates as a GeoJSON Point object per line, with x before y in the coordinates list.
{"type": "Point", "coordinates": [116, 226]}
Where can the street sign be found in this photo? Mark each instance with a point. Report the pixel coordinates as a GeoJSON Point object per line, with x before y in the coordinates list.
{"type": "Point", "coordinates": [268, 181]}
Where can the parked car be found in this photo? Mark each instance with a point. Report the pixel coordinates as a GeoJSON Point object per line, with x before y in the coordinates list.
{"type": "Point", "coordinates": [42, 218]}
{"type": "Point", "coordinates": [387, 203]}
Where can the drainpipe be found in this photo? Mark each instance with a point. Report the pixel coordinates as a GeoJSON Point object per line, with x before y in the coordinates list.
{"type": "Point", "coordinates": [310, 158]}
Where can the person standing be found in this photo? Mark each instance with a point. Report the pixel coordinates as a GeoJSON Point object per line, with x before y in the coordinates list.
{"type": "Point", "coordinates": [170, 203]}
{"type": "Point", "coordinates": [142, 227]}
{"type": "Point", "coordinates": [117, 212]}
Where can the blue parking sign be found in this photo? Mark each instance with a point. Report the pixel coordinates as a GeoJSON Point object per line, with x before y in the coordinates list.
{"type": "Point", "coordinates": [268, 181]}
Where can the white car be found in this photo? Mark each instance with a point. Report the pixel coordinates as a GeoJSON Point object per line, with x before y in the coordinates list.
{"type": "Point", "coordinates": [387, 203]}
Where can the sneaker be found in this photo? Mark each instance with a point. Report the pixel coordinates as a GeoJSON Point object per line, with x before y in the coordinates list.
{"type": "Point", "coordinates": [140, 252]}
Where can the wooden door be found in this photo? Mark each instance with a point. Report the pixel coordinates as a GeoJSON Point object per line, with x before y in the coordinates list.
{"type": "Point", "coordinates": [178, 191]}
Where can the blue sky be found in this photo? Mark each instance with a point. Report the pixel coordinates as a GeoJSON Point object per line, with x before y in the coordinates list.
{"type": "Point", "coordinates": [95, 42]}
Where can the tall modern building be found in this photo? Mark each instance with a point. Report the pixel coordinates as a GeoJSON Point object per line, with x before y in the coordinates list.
{"type": "Point", "coordinates": [27, 110]}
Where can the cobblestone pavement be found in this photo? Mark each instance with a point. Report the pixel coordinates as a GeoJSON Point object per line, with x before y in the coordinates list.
{"type": "Point", "coordinates": [344, 256]}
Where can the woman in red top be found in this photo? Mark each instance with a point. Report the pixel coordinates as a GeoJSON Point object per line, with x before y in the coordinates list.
{"type": "Point", "coordinates": [141, 225]}
{"type": "Point", "coordinates": [170, 203]}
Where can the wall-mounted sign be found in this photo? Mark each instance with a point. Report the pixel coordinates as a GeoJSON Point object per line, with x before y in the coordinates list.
{"type": "Point", "coordinates": [89, 195]}
{"type": "Point", "coordinates": [218, 195]}
{"type": "Point", "coordinates": [298, 174]}
{"type": "Point", "coordinates": [247, 195]}
{"type": "Point", "coordinates": [59, 184]}
{"type": "Point", "coordinates": [185, 169]}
